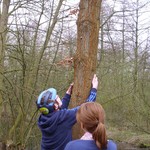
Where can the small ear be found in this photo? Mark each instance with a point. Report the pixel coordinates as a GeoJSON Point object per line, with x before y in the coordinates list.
{"type": "Point", "coordinates": [82, 127]}
{"type": "Point", "coordinates": [56, 106]}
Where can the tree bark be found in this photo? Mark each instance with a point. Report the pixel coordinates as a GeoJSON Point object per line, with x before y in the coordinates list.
{"type": "Point", "coordinates": [3, 31]}
{"type": "Point", "coordinates": [85, 59]}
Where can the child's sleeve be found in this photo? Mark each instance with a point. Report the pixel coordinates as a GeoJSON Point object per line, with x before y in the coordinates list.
{"type": "Point", "coordinates": [67, 97]}
{"type": "Point", "coordinates": [92, 95]}
{"type": "Point", "coordinates": [65, 101]}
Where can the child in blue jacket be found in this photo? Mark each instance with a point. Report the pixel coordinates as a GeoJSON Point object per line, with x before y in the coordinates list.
{"type": "Point", "coordinates": [56, 121]}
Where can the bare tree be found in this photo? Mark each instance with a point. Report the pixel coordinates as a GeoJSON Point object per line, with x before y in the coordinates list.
{"type": "Point", "coordinates": [31, 30]}
{"type": "Point", "coordinates": [85, 59]}
{"type": "Point", "coordinates": [4, 14]}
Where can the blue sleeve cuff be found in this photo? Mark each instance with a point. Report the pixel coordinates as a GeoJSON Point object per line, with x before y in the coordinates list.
{"type": "Point", "coordinates": [92, 95]}
{"type": "Point", "coordinates": [93, 90]}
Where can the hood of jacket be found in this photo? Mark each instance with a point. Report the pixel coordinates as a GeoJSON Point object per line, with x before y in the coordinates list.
{"type": "Point", "coordinates": [48, 123]}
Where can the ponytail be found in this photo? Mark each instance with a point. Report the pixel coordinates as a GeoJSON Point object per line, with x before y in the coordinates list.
{"type": "Point", "coordinates": [99, 135]}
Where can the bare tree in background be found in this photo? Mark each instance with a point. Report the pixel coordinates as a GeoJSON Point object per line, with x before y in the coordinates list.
{"type": "Point", "coordinates": [4, 14]}
{"type": "Point", "coordinates": [3, 32]}
{"type": "Point", "coordinates": [28, 42]}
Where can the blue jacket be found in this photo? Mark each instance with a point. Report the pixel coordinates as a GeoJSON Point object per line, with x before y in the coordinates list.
{"type": "Point", "coordinates": [56, 127]}
{"type": "Point", "coordinates": [88, 145]}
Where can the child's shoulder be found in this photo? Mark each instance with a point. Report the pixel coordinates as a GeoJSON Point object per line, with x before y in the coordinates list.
{"type": "Point", "coordinates": [111, 145]}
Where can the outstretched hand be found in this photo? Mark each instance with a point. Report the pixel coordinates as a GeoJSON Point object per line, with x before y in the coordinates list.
{"type": "Point", "coordinates": [69, 91]}
{"type": "Point", "coordinates": [95, 82]}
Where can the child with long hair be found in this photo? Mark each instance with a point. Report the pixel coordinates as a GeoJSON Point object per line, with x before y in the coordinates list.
{"type": "Point", "coordinates": [91, 117]}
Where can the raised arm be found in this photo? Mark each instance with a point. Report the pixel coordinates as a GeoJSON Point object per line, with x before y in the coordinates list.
{"type": "Point", "coordinates": [66, 98]}
{"type": "Point", "coordinates": [93, 91]}
{"type": "Point", "coordinates": [91, 98]}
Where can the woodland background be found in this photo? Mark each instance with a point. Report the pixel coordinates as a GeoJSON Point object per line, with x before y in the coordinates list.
{"type": "Point", "coordinates": [37, 44]}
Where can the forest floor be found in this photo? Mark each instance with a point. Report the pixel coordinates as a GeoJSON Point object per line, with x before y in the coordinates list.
{"type": "Point", "coordinates": [129, 140]}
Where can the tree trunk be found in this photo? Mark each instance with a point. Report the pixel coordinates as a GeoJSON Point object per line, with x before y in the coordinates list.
{"type": "Point", "coordinates": [85, 59]}
{"type": "Point", "coordinates": [3, 32]}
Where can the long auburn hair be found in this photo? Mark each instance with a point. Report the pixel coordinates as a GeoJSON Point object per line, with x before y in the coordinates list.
{"type": "Point", "coordinates": [92, 115]}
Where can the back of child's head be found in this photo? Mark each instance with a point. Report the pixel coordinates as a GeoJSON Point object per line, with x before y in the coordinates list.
{"type": "Point", "coordinates": [91, 115]}
{"type": "Point", "coordinates": [46, 100]}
